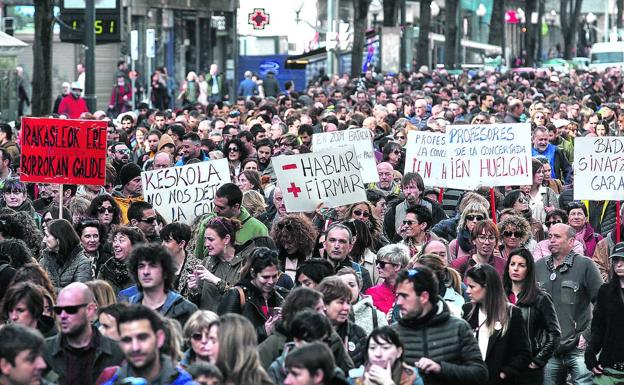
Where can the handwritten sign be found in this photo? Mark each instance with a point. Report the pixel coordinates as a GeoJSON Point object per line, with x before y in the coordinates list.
{"type": "Point", "coordinates": [331, 176]}
{"type": "Point", "coordinates": [361, 139]}
{"type": "Point", "coordinates": [426, 155]}
{"type": "Point", "coordinates": [489, 155]}
{"type": "Point", "coordinates": [599, 168]}
{"type": "Point", "coordinates": [185, 192]}
{"type": "Point", "coordinates": [63, 151]}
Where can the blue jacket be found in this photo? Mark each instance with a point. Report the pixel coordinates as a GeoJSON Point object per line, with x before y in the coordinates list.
{"type": "Point", "coordinates": [169, 375]}
{"type": "Point", "coordinates": [202, 156]}
{"type": "Point", "coordinates": [175, 306]}
{"type": "Point", "coordinates": [247, 88]}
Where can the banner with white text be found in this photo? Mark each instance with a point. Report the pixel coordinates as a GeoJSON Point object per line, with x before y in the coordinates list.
{"type": "Point", "coordinates": [599, 168]}
{"type": "Point", "coordinates": [426, 155]}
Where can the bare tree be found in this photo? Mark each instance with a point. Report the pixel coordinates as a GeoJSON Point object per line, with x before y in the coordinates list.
{"type": "Point", "coordinates": [451, 35]}
{"type": "Point", "coordinates": [569, 12]}
{"type": "Point", "coordinates": [42, 62]}
{"type": "Point", "coordinates": [423, 54]}
{"type": "Point", "coordinates": [360, 18]}
{"type": "Point", "coordinates": [531, 34]}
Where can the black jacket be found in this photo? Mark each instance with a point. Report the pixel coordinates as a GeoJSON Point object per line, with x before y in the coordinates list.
{"type": "Point", "coordinates": [446, 340]}
{"type": "Point", "coordinates": [540, 319]}
{"type": "Point", "coordinates": [252, 309]}
{"type": "Point", "coordinates": [607, 333]}
{"type": "Point", "coordinates": [437, 214]}
{"type": "Point", "coordinates": [507, 353]}
{"type": "Point", "coordinates": [355, 338]}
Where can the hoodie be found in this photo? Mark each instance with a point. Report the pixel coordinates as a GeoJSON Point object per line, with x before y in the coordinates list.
{"type": "Point", "coordinates": [124, 202]}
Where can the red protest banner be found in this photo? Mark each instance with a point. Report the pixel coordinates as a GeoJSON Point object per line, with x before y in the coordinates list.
{"type": "Point", "coordinates": [64, 151]}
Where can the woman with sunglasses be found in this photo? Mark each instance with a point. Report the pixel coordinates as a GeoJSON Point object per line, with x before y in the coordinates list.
{"type": "Point", "coordinates": [498, 326]}
{"type": "Point", "coordinates": [255, 296]}
{"type": "Point", "coordinates": [518, 201]}
{"type": "Point", "coordinates": [604, 355]}
{"type": "Point", "coordinates": [542, 250]}
{"type": "Point", "coordinates": [201, 338]}
{"type": "Point", "coordinates": [538, 312]}
{"type": "Point", "coordinates": [401, 137]}
{"type": "Point", "coordinates": [365, 212]}
{"type": "Point", "coordinates": [515, 232]}
{"type": "Point", "coordinates": [235, 152]}
{"type": "Point", "coordinates": [415, 229]}
{"type": "Point", "coordinates": [485, 238]}
{"type": "Point", "coordinates": [63, 257]}
{"type": "Point", "coordinates": [390, 260]}
{"type": "Point", "coordinates": [461, 246]}
{"type": "Point", "coordinates": [115, 271]}
{"type": "Point", "coordinates": [208, 281]}
{"type": "Point", "coordinates": [393, 154]}
{"type": "Point", "coordinates": [105, 209]}
{"type": "Point", "coordinates": [294, 236]}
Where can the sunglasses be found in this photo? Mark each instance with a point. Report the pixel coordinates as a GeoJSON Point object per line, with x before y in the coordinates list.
{"type": "Point", "coordinates": [522, 200]}
{"type": "Point", "coordinates": [102, 210]}
{"type": "Point", "coordinates": [198, 336]}
{"type": "Point", "coordinates": [123, 151]}
{"type": "Point", "coordinates": [472, 217]}
{"type": "Point", "coordinates": [409, 223]}
{"type": "Point", "coordinates": [383, 264]}
{"type": "Point", "coordinates": [72, 309]}
{"type": "Point", "coordinates": [396, 152]}
{"type": "Point", "coordinates": [364, 214]}
{"type": "Point", "coordinates": [232, 149]}
{"type": "Point", "coordinates": [516, 234]}
{"type": "Point", "coordinates": [399, 137]}
{"type": "Point", "coordinates": [550, 223]}
{"type": "Point", "coordinates": [149, 220]}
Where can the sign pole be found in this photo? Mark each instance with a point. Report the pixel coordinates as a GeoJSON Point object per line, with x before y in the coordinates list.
{"type": "Point", "coordinates": [493, 204]}
{"type": "Point", "coordinates": [440, 195]}
{"type": "Point", "coordinates": [618, 222]}
{"type": "Point", "coordinates": [89, 39]}
{"type": "Point", "coordinates": [61, 193]}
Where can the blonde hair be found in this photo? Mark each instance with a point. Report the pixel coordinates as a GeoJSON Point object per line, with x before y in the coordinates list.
{"type": "Point", "coordinates": [103, 292]}
{"type": "Point", "coordinates": [254, 202]}
{"type": "Point", "coordinates": [198, 321]}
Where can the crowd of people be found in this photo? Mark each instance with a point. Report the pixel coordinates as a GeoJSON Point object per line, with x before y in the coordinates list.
{"type": "Point", "coordinates": [412, 286]}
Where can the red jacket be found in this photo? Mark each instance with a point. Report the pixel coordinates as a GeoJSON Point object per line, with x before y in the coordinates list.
{"type": "Point", "coordinates": [71, 107]}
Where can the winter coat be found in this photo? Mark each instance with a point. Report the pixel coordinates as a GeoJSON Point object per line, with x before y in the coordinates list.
{"type": "Point", "coordinates": [116, 274]}
{"type": "Point", "coordinates": [77, 268]}
{"type": "Point", "coordinates": [606, 328]}
{"type": "Point", "coordinates": [603, 252]}
{"type": "Point", "coordinates": [448, 341]}
{"type": "Point", "coordinates": [396, 214]}
{"type": "Point", "coordinates": [124, 202]}
{"type": "Point", "coordinates": [175, 307]}
{"type": "Point", "coordinates": [367, 316]}
{"type": "Point", "coordinates": [168, 375]}
{"type": "Point", "coordinates": [589, 238]}
{"type": "Point", "coordinates": [72, 107]}
{"type": "Point", "coordinates": [208, 296]}
{"type": "Point", "coordinates": [507, 353]}
{"type": "Point", "coordinates": [354, 339]}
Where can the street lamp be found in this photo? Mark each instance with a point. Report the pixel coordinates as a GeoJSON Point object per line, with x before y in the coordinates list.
{"type": "Point", "coordinates": [375, 9]}
{"type": "Point", "coordinates": [435, 9]}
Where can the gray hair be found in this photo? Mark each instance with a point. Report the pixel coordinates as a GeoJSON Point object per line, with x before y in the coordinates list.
{"type": "Point", "coordinates": [394, 253]}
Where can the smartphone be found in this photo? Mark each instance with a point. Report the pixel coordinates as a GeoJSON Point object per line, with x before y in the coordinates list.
{"type": "Point", "coordinates": [274, 311]}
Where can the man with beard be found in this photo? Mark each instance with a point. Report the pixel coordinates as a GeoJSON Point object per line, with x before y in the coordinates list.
{"type": "Point", "coordinates": [120, 154]}
{"type": "Point", "coordinates": [142, 335]}
{"type": "Point", "coordinates": [73, 105]}
{"type": "Point", "coordinates": [560, 167]}
{"type": "Point", "coordinates": [79, 353]}
{"type": "Point", "coordinates": [413, 188]}
{"type": "Point", "coordinates": [264, 150]}
{"type": "Point", "coordinates": [191, 149]}
{"type": "Point", "coordinates": [386, 185]}
{"type": "Point", "coordinates": [127, 124]}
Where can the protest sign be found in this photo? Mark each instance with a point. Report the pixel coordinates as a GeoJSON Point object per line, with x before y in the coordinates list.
{"type": "Point", "coordinates": [185, 192]}
{"type": "Point", "coordinates": [332, 176]}
{"type": "Point", "coordinates": [63, 151]}
{"type": "Point", "coordinates": [361, 139]}
{"type": "Point", "coordinates": [489, 155]}
{"type": "Point", "coordinates": [426, 155]}
{"type": "Point", "coordinates": [599, 168]}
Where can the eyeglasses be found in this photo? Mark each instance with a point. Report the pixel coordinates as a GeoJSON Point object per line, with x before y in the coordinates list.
{"type": "Point", "coordinates": [485, 238]}
{"type": "Point", "coordinates": [399, 137]}
{"type": "Point", "coordinates": [383, 264]}
{"type": "Point", "coordinates": [473, 217]}
{"type": "Point", "coordinates": [522, 200]}
{"type": "Point", "coordinates": [553, 222]}
{"type": "Point", "coordinates": [396, 152]}
{"type": "Point", "coordinates": [102, 210]}
{"type": "Point", "coordinates": [232, 149]}
{"type": "Point", "coordinates": [364, 214]}
{"type": "Point", "coordinates": [517, 234]}
{"type": "Point", "coordinates": [409, 223]}
{"type": "Point", "coordinates": [149, 220]}
{"type": "Point", "coordinates": [72, 309]}
{"type": "Point", "coordinates": [123, 151]}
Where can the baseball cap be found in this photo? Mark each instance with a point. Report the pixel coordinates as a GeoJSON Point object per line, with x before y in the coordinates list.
{"type": "Point", "coordinates": [618, 251]}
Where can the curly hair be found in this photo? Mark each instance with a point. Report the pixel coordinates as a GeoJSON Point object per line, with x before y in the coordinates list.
{"type": "Point", "coordinates": [30, 232]}
{"type": "Point", "coordinates": [96, 203]}
{"type": "Point", "coordinates": [295, 227]}
{"type": "Point", "coordinates": [519, 223]}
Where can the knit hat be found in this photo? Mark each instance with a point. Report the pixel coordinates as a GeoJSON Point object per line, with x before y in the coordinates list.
{"type": "Point", "coordinates": [165, 139]}
{"type": "Point", "coordinates": [129, 172]}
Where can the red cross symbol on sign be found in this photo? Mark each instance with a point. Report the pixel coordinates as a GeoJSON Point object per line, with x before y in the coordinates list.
{"type": "Point", "coordinates": [294, 190]}
{"type": "Point", "coordinates": [258, 19]}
